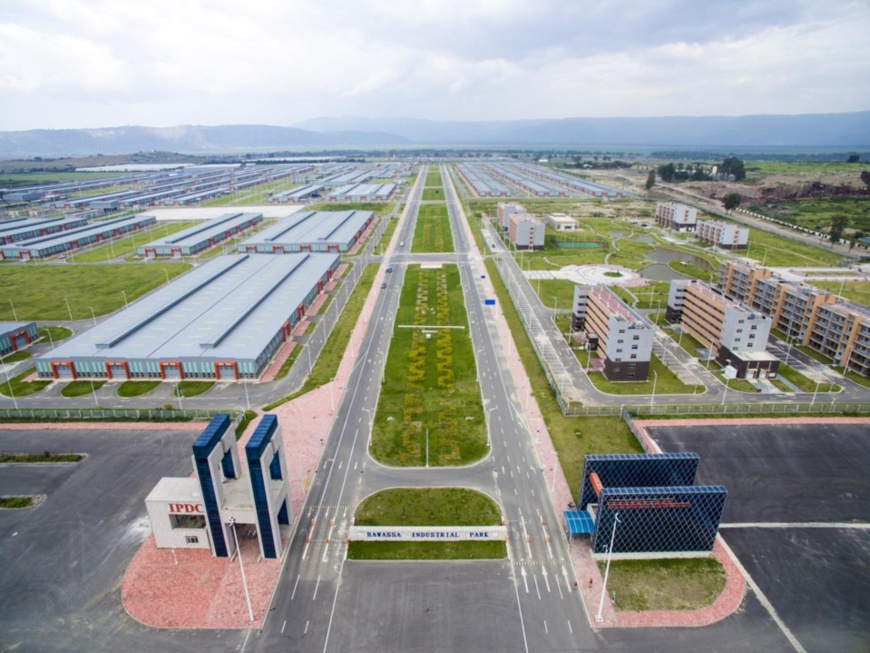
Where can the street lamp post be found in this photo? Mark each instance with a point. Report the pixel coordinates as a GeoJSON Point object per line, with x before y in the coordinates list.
{"type": "Point", "coordinates": [242, 567]}
{"type": "Point", "coordinates": [247, 399]}
{"type": "Point", "coordinates": [653, 395]}
{"type": "Point", "coordinates": [11, 391]}
{"type": "Point", "coordinates": [93, 313]}
{"type": "Point", "coordinates": [598, 616]}
{"type": "Point", "coordinates": [725, 394]}
{"type": "Point", "coordinates": [69, 310]}
{"type": "Point", "coordinates": [815, 392]}
{"type": "Point", "coordinates": [94, 392]}
{"type": "Point", "coordinates": [14, 314]}
{"type": "Point", "coordinates": [126, 304]}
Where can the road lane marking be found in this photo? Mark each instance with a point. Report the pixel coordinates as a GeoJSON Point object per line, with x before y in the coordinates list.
{"type": "Point", "coordinates": [283, 626]}
{"type": "Point", "coordinates": [306, 628]}
{"type": "Point", "coordinates": [294, 587]}
{"type": "Point", "coordinates": [537, 589]}
{"type": "Point", "coordinates": [546, 630]}
{"type": "Point", "coordinates": [316, 587]}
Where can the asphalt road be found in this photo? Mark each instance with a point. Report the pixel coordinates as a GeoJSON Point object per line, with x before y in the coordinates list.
{"type": "Point", "coordinates": [530, 594]}
{"type": "Point", "coordinates": [797, 518]}
{"type": "Point", "coordinates": [61, 562]}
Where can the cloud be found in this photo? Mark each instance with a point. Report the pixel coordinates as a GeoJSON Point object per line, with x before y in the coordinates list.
{"type": "Point", "coordinates": [67, 63]}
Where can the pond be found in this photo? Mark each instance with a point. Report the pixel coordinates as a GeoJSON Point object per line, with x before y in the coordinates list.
{"type": "Point", "coordinates": [665, 256]}
{"type": "Point", "coordinates": [661, 272]}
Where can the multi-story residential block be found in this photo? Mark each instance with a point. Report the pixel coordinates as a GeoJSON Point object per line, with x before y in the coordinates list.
{"type": "Point", "coordinates": [815, 318]}
{"type": "Point", "coordinates": [725, 235]}
{"type": "Point", "coordinates": [613, 329]}
{"type": "Point", "coordinates": [505, 210]}
{"type": "Point", "coordinates": [678, 217]}
{"type": "Point", "coordinates": [734, 333]}
{"type": "Point", "coordinates": [526, 231]}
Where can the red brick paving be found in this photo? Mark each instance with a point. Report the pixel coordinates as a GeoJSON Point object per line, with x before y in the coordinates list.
{"type": "Point", "coordinates": [275, 366]}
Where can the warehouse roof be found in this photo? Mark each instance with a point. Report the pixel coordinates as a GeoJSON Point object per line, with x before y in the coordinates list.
{"type": "Point", "coordinates": [205, 230]}
{"type": "Point", "coordinates": [313, 227]}
{"type": "Point", "coordinates": [229, 308]}
{"type": "Point", "coordinates": [44, 242]}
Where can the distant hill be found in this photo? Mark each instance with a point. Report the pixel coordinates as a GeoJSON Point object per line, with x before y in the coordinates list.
{"type": "Point", "coordinates": [187, 138]}
{"type": "Point", "coordinates": [840, 130]}
{"type": "Point", "coordinates": [833, 130]}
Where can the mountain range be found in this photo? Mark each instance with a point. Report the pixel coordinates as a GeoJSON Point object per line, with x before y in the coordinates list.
{"type": "Point", "coordinates": [833, 130]}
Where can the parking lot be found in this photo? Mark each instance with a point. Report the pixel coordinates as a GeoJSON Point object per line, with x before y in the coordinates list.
{"type": "Point", "coordinates": [797, 519]}
{"type": "Point", "coordinates": [61, 562]}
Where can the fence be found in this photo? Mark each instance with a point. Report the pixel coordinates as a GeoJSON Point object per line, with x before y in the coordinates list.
{"type": "Point", "coordinates": [138, 414]}
{"type": "Point", "coordinates": [755, 409]}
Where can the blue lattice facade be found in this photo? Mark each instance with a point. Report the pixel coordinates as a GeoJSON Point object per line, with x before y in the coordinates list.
{"type": "Point", "coordinates": [660, 509]}
{"type": "Point", "coordinates": [637, 470]}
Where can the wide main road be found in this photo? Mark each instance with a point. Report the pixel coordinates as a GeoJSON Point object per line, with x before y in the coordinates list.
{"type": "Point", "coordinates": [302, 611]}
{"type": "Point", "coordinates": [550, 613]}
{"type": "Point", "coordinates": [524, 603]}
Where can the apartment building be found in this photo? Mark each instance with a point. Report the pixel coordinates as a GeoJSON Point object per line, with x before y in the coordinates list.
{"type": "Point", "coordinates": [613, 329]}
{"type": "Point", "coordinates": [815, 318]}
{"type": "Point", "coordinates": [675, 216]}
{"type": "Point", "coordinates": [526, 231]}
{"type": "Point", "coordinates": [725, 235]}
{"type": "Point", "coordinates": [505, 210]}
{"type": "Point", "coordinates": [734, 333]}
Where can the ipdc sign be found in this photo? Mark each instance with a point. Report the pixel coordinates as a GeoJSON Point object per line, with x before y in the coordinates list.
{"type": "Point", "coordinates": [430, 533]}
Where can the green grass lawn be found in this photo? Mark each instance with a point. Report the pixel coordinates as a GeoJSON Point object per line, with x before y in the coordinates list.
{"type": "Point", "coordinates": [654, 295]}
{"type": "Point", "coordinates": [433, 194]}
{"type": "Point", "coordinates": [39, 458]}
{"type": "Point", "coordinates": [243, 423]}
{"type": "Point", "coordinates": [777, 251]}
{"type": "Point", "coordinates": [797, 379]}
{"type": "Point", "coordinates": [678, 584]}
{"type": "Point", "coordinates": [81, 388]}
{"type": "Point", "coordinates": [16, 356]}
{"type": "Point", "coordinates": [856, 291]}
{"type": "Point", "coordinates": [191, 388]}
{"type": "Point", "coordinates": [432, 231]}
{"type": "Point", "coordinates": [126, 246]}
{"type": "Point", "coordinates": [54, 334]}
{"type": "Point", "coordinates": [816, 213]}
{"type": "Point", "coordinates": [17, 387]}
{"type": "Point", "coordinates": [387, 236]}
{"type": "Point", "coordinates": [42, 291]}
{"type": "Point", "coordinates": [854, 376]}
{"type": "Point", "coordinates": [665, 381]}
{"type": "Point", "coordinates": [812, 353]}
{"type": "Point", "coordinates": [333, 351]}
{"type": "Point", "coordinates": [136, 388]}
{"type": "Point", "coordinates": [430, 382]}
{"type": "Point", "coordinates": [433, 177]}
{"type": "Point", "coordinates": [427, 507]}
{"type": "Point", "coordinates": [16, 503]}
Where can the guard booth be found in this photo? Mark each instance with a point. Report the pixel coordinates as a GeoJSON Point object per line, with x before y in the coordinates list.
{"type": "Point", "coordinates": [196, 512]}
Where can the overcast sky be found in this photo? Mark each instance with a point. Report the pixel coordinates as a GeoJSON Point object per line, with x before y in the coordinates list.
{"type": "Point", "coordinates": [100, 63]}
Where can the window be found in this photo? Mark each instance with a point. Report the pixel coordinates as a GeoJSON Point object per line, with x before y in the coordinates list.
{"type": "Point", "coordinates": [633, 356]}
{"type": "Point", "coordinates": [635, 338]}
{"type": "Point", "coordinates": [191, 539]}
{"type": "Point", "coordinates": [620, 341]}
{"type": "Point", "coordinates": [634, 346]}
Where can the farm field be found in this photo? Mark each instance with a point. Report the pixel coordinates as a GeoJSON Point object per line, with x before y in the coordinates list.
{"type": "Point", "coordinates": [430, 381]}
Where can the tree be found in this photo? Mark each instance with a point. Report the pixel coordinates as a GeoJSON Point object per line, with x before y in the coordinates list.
{"type": "Point", "coordinates": [733, 166]}
{"type": "Point", "coordinates": [854, 158]}
{"type": "Point", "coordinates": [667, 172]}
{"type": "Point", "coordinates": [837, 227]}
{"type": "Point", "coordinates": [650, 179]}
{"type": "Point", "coordinates": [731, 201]}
